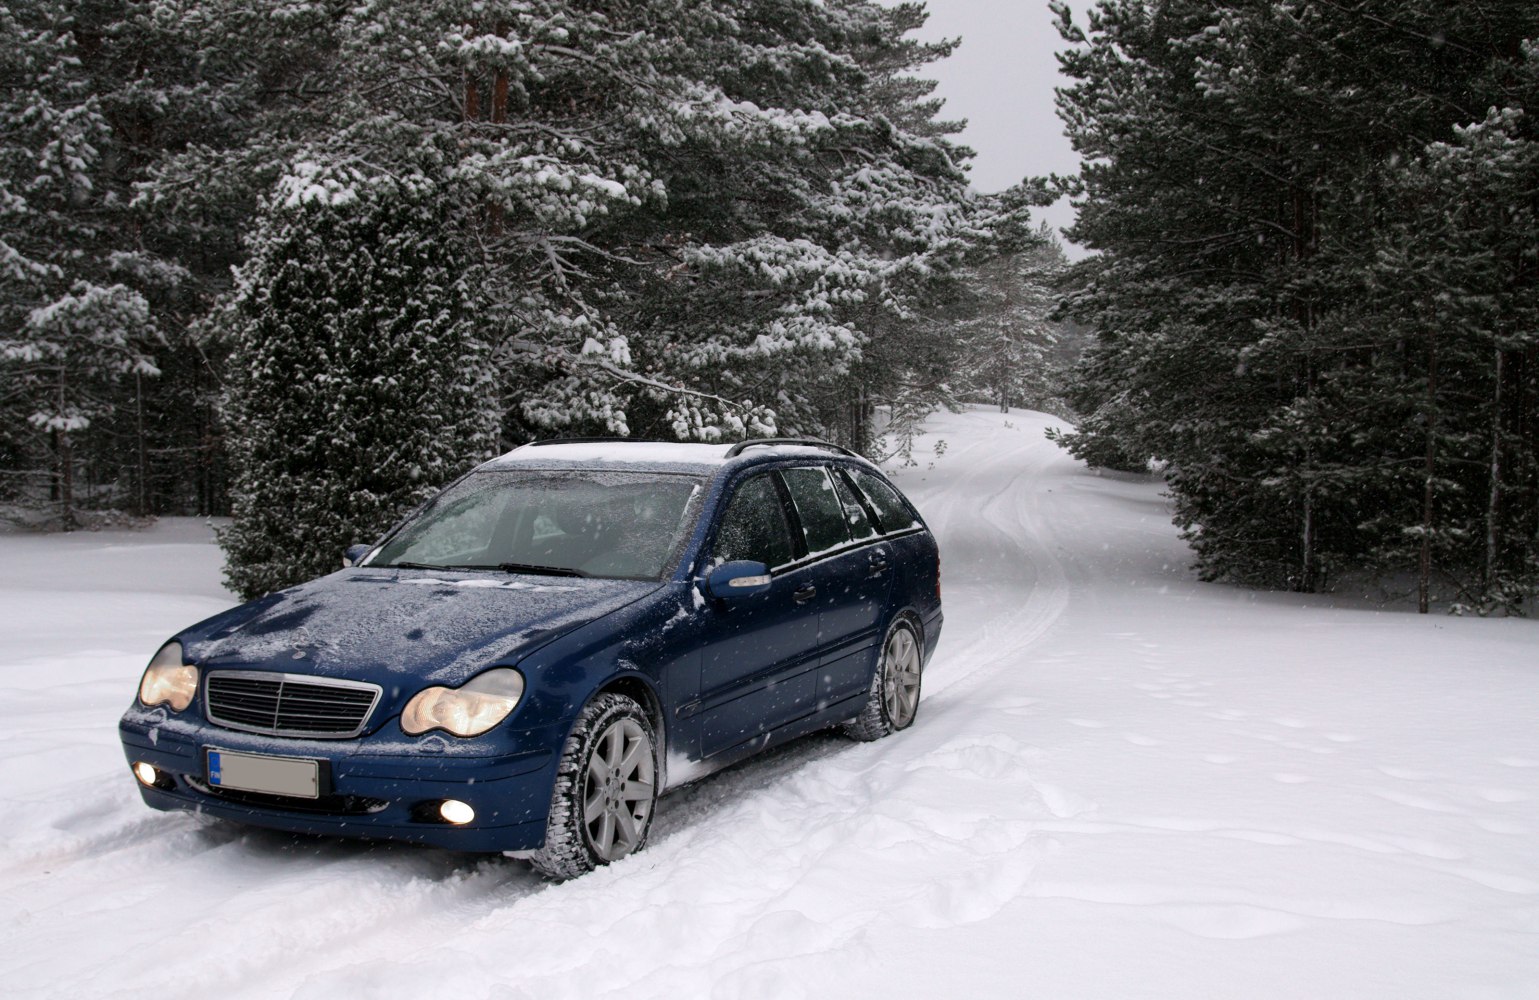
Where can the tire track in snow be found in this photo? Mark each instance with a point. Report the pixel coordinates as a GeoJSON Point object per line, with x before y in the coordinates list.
{"type": "Point", "coordinates": [1025, 603]}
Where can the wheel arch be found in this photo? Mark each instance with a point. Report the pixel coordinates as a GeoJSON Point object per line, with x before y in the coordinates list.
{"type": "Point", "coordinates": [911, 615]}
{"type": "Point", "coordinates": [638, 687]}
{"type": "Point", "coordinates": [907, 613]}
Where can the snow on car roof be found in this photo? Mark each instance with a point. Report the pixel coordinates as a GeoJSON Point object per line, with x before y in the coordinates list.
{"type": "Point", "coordinates": [627, 452]}
{"type": "Point", "coordinates": [642, 453]}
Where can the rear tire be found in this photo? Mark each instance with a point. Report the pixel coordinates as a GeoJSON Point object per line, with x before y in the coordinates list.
{"type": "Point", "coordinates": [894, 699]}
{"type": "Point", "coordinates": [606, 790]}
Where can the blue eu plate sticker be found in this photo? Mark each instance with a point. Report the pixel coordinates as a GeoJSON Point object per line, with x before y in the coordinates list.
{"type": "Point", "coordinates": [213, 767]}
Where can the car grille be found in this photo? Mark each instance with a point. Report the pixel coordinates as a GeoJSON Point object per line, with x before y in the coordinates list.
{"type": "Point", "coordinates": [288, 704]}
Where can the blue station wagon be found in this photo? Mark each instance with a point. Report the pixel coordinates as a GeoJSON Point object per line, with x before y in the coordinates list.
{"type": "Point", "coordinates": [529, 659]}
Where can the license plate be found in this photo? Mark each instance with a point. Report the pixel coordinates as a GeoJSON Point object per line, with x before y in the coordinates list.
{"type": "Point", "coordinates": [246, 772]}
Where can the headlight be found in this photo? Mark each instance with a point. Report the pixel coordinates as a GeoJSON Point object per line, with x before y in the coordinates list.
{"type": "Point", "coordinates": [471, 710]}
{"type": "Point", "coordinates": [167, 680]}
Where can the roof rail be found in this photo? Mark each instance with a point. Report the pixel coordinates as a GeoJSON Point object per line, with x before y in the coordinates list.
{"type": "Point", "coordinates": [743, 446]}
{"type": "Point", "coordinates": [573, 440]}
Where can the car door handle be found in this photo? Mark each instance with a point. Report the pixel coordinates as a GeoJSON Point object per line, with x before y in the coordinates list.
{"type": "Point", "coordinates": [804, 593]}
{"type": "Point", "coordinates": [878, 565]}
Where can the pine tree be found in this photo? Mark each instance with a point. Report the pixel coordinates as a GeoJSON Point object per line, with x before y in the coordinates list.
{"type": "Point", "coordinates": [137, 140]}
{"type": "Point", "coordinates": [1458, 276]}
{"type": "Point", "coordinates": [214, 99]}
{"type": "Point", "coordinates": [695, 221]}
{"type": "Point", "coordinates": [1007, 330]}
{"type": "Point", "coordinates": [72, 324]}
{"type": "Point", "coordinates": [1243, 165]}
{"type": "Point", "coordinates": [358, 382]}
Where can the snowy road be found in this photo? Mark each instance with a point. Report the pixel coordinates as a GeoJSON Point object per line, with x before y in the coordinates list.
{"type": "Point", "coordinates": [1122, 783]}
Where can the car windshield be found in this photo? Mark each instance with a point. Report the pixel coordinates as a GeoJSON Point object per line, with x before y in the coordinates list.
{"type": "Point", "coordinates": [557, 523]}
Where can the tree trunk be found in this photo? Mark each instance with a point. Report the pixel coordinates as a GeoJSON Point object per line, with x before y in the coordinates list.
{"type": "Point", "coordinates": [1494, 498]}
{"type": "Point", "coordinates": [1527, 422]}
{"type": "Point", "coordinates": [55, 480]}
{"type": "Point", "coordinates": [860, 428]}
{"type": "Point", "coordinates": [66, 483]}
{"type": "Point", "coordinates": [1307, 535]}
{"type": "Point", "coordinates": [66, 462]}
{"type": "Point", "coordinates": [499, 116]}
{"type": "Point", "coordinates": [500, 97]}
{"type": "Point", "coordinates": [1424, 577]}
{"type": "Point", "coordinates": [1305, 212]}
{"type": "Point", "coordinates": [142, 499]}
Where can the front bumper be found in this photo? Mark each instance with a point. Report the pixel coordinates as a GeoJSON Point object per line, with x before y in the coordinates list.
{"type": "Point", "coordinates": [381, 786]}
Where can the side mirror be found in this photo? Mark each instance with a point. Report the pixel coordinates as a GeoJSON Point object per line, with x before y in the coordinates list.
{"type": "Point", "coordinates": [740, 578]}
{"type": "Point", "coordinates": [353, 554]}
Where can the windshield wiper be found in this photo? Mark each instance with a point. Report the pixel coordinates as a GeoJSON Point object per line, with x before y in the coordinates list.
{"type": "Point", "coordinates": [417, 565]}
{"type": "Point", "coordinates": [514, 567]}
{"type": "Point", "coordinates": [507, 567]}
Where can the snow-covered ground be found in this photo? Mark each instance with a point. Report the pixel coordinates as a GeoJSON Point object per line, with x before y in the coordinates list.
{"type": "Point", "coordinates": [1122, 783]}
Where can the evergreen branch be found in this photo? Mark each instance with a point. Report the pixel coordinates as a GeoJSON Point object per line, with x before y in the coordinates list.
{"type": "Point", "coordinates": [624, 377]}
{"type": "Point", "coordinates": [544, 241]}
{"type": "Point", "coordinates": [1362, 10]}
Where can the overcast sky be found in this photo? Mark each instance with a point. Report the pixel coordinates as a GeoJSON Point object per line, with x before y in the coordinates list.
{"type": "Point", "coordinates": [1001, 80]}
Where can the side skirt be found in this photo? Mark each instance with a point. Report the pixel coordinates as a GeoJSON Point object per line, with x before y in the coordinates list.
{"type": "Point", "coordinates": [681, 772]}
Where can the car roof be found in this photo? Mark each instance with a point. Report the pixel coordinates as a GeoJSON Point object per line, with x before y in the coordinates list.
{"type": "Point", "coordinates": [658, 456]}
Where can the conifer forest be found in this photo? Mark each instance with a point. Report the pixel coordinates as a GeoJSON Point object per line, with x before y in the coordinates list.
{"type": "Point", "coordinates": [301, 262]}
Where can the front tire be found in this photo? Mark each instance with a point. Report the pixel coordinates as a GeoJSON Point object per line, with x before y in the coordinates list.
{"type": "Point", "coordinates": [894, 699]}
{"type": "Point", "coordinates": [605, 792]}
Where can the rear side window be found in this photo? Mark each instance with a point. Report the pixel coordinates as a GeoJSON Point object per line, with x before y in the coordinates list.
{"type": "Point", "coordinates": [854, 514]}
{"type": "Point", "coordinates": [754, 526]}
{"type": "Point", "coordinates": [891, 509]}
{"type": "Point", "coordinates": [817, 504]}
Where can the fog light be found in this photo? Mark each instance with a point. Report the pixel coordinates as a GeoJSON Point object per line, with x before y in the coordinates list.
{"type": "Point", "coordinates": [456, 812]}
{"type": "Point", "coordinates": [147, 774]}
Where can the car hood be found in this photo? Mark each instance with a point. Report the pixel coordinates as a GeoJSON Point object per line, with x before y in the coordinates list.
{"type": "Point", "coordinates": [386, 626]}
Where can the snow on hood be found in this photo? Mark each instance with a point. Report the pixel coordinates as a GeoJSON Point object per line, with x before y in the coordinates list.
{"type": "Point", "coordinates": [377, 625]}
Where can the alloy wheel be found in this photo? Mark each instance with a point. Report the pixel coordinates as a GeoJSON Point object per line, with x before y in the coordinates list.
{"type": "Point", "coordinates": [900, 677]}
{"type": "Point", "coordinates": [618, 790]}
